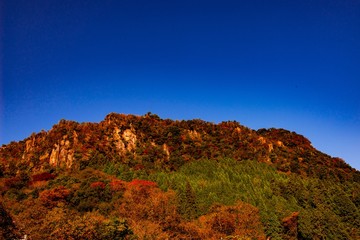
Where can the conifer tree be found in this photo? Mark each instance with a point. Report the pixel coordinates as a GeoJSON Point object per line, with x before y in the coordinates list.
{"type": "Point", "coordinates": [188, 202]}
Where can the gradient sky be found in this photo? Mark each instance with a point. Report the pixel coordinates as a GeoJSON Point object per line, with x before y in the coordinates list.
{"type": "Point", "coordinates": [285, 64]}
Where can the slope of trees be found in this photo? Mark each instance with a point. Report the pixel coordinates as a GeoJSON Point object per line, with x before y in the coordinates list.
{"type": "Point", "coordinates": [204, 199]}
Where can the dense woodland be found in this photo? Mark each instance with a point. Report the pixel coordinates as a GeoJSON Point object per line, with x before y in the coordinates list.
{"type": "Point", "coordinates": [143, 177]}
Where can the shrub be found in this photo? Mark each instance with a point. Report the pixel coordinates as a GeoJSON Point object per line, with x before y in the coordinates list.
{"type": "Point", "coordinates": [117, 185]}
{"type": "Point", "coordinates": [43, 177]}
{"type": "Point", "coordinates": [50, 198]}
{"type": "Point", "coordinates": [98, 185]}
{"type": "Point", "coordinates": [142, 183]}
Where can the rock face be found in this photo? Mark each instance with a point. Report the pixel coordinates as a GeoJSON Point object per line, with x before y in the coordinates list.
{"type": "Point", "coordinates": [125, 141]}
{"type": "Point", "coordinates": [62, 154]}
{"type": "Point", "coordinates": [167, 151]}
{"type": "Point", "coordinates": [130, 138]}
{"type": "Point", "coordinates": [194, 135]}
{"type": "Point", "coordinates": [119, 144]}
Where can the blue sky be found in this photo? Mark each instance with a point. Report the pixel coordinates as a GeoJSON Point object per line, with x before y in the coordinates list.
{"type": "Point", "coordinates": [285, 64]}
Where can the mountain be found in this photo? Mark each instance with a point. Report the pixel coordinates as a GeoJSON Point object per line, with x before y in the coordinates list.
{"type": "Point", "coordinates": [201, 178]}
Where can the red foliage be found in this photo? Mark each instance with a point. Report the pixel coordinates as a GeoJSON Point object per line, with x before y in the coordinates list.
{"type": "Point", "coordinates": [51, 197]}
{"type": "Point", "coordinates": [117, 185]}
{"type": "Point", "coordinates": [42, 177]}
{"type": "Point", "coordinates": [98, 185]}
{"type": "Point", "coordinates": [142, 183]}
{"type": "Point", "coordinates": [13, 182]}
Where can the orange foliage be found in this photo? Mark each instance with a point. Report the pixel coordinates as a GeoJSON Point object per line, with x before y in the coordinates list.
{"type": "Point", "coordinates": [37, 184]}
{"type": "Point", "coordinates": [117, 185]}
{"type": "Point", "coordinates": [42, 177]}
{"type": "Point", "coordinates": [241, 220]}
{"type": "Point", "coordinates": [51, 198]}
{"type": "Point", "coordinates": [13, 182]}
{"type": "Point", "coordinates": [148, 209]}
{"type": "Point", "coordinates": [153, 214]}
{"type": "Point", "coordinates": [145, 229]}
{"type": "Point", "coordinates": [98, 185]}
{"type": "Point", "coordinates": [31, 217]}
{"type": "Point", "coordinates": [142, 183]}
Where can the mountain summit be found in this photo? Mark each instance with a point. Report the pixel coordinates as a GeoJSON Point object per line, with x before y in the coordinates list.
{"type": "Point", "coordinates": [143, 177]}
{"type": "Point", "coordinates": [154, 143]}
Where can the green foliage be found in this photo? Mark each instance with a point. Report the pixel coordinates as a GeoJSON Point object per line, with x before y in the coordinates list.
{"type": "Point", "coordinates": [115, 229]}
{"type": "Point", "coordinates": [65, 180]}
{"type": "Point", "coordinates": [187, 202]}
{"type": "Point", "coordinates": [16, 194]}
{"type": "Point", "coordinates": [275, 194]}
{"type": "Point", "coordinates": [88, 197]}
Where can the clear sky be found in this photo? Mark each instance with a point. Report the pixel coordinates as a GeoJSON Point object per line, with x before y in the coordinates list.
{"type": "Point", "coordinates": [285, 64]}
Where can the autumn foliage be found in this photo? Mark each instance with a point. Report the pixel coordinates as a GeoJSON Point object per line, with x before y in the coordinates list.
{"type": "Point", "coordinates": [142, 183]}
{"type": "Point", "coordinates": [98, 185]}
{"type": "Point", "coordinates": [50, 198]}
{"type": "Point", "coordinates": [143, 177]}
{"type": "Point", "coordinates": [42, 177]}
{"type": "Point", "coordinates": [238, 221]}
{"type": "Point", "coordinates": [117, 185]}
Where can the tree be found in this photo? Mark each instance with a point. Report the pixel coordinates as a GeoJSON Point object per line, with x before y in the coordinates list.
{"type": "Point", "coordinates": [188, 207]}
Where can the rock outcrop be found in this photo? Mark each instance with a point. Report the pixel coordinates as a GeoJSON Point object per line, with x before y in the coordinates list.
{"type": "Point", "coordinates": [62, 154]}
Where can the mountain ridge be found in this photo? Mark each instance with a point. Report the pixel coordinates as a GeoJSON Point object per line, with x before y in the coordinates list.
{"type": "Point", "coordinates": [150, 140]}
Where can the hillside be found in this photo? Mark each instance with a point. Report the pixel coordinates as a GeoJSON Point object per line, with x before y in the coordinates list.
{"type": "Point", "coordinates": [131, 177]}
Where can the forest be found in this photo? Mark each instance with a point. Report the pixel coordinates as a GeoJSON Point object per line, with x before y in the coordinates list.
{"type": "Point", "coordinates": [143, 177]}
